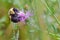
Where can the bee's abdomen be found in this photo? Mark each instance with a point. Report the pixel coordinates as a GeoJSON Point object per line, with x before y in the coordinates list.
{"type": "Point", "coordinates": [15, 19]}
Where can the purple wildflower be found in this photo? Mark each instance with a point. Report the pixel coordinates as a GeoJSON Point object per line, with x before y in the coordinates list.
{"type": "Point", "coordinates": [23, 16]}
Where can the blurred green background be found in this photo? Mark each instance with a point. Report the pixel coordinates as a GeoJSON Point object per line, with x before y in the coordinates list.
{"type": "Point", "coordinates": [43, 25]}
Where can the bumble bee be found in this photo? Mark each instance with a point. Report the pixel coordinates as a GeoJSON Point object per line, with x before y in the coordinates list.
{"type": "Point", "coordinates": [13, 15]}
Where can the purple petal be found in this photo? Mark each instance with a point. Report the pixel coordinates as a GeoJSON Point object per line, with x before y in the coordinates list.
{"type": "Point", "coordinates": [28, 14]}
{"type": "Point", "coordinates": [22, 16]}
{"type": "Point", "coordinates": [21, 13]}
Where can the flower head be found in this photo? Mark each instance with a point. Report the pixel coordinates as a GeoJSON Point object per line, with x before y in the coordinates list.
{"type": "Point", "coordinates": [23, 16]}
